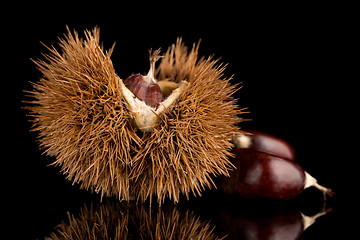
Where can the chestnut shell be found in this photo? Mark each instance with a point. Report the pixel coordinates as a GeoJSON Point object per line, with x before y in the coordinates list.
{"type": "Point", "coordinates": [150, 93]}
{"type": "Point", "coordinates": [260, 175]}
{"type": "Point", "coordinates": [270, 144]}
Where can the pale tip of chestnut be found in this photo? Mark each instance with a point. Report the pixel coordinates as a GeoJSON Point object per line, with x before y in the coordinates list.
{"type": "Point", "coordinates": [310, 181]}
{"type": "Point", "coordinates": [153, 58]}
{"type": "Point", "coordinates": [242, 141]}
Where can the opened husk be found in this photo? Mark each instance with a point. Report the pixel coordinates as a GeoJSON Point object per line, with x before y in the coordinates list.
{"type": "Point", "coordinates": [83, 118]}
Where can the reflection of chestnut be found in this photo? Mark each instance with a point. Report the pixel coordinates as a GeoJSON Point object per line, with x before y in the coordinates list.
{"type": "Point", "coordinates": [266, 225]}
{"type": "Point", "coordinates": [265, 169]}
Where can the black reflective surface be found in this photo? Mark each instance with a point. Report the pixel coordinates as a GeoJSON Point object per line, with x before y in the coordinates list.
{"type": "Point", "coordinates": [285, 61]}
{"type": "Point", "coordinates": [114, 220]}
{"type": "Point", "coordinates": [69, 213]}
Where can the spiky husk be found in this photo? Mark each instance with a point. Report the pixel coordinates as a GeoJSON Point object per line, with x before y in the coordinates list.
{"type": "Point", "coordinates": [117, 222]}
{"type": "Point", "coordinates": [78, 110]}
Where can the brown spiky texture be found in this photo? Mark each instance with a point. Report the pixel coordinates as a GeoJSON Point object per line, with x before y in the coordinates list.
{"type": "Point", "coordinates": [117, 222]}
{"type": "Point", "coordinates": [82, 119]}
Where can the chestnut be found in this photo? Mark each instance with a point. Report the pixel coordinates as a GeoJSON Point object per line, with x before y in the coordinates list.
{"type": "Point", "coordinates": [263, 172]}
{"type": "Point", "coordinates": [261, 175]}
{"type": "Point", "coordinates": [145, 89]}
{"type": "Point", "coordinates": [264, 142]}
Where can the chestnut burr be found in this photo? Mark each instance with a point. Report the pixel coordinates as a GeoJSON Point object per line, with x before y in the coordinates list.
{"type": "Point", "coordinates": [152, 136]}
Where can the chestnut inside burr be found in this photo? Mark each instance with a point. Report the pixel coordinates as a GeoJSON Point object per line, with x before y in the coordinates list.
{"type": "Point", "coordinates": [146, 99]}
{"type": "Point", "coordinates": [145, 88]}
{"type": "Point", "coordinates": [149, 92]}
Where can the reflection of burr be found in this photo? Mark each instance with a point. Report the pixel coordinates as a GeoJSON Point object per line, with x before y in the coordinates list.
{"type": "Point", "coordinates": [118, 222]}
{"type": "Point", "coordinates": [85, 117]}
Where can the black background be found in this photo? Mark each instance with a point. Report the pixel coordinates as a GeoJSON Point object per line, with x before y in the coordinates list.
{"type": "Point", "coordinates": [292, 62]}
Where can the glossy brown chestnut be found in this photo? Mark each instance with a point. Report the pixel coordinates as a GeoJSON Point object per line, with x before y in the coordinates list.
{"type": "Point", "coordinates": [264, 142]}
{"type": "Point", "coordinates": [147, 91]}
{"type": "Point", "coordinates": [261, 175]}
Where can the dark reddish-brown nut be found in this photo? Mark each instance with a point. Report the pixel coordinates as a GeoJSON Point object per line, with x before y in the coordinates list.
{"type": "Point", "coordinates": [145, 89]}
{"type": "Point", "coordinates": [264, 142]}
{"type": "Point", "coordinates": [261, 175]}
